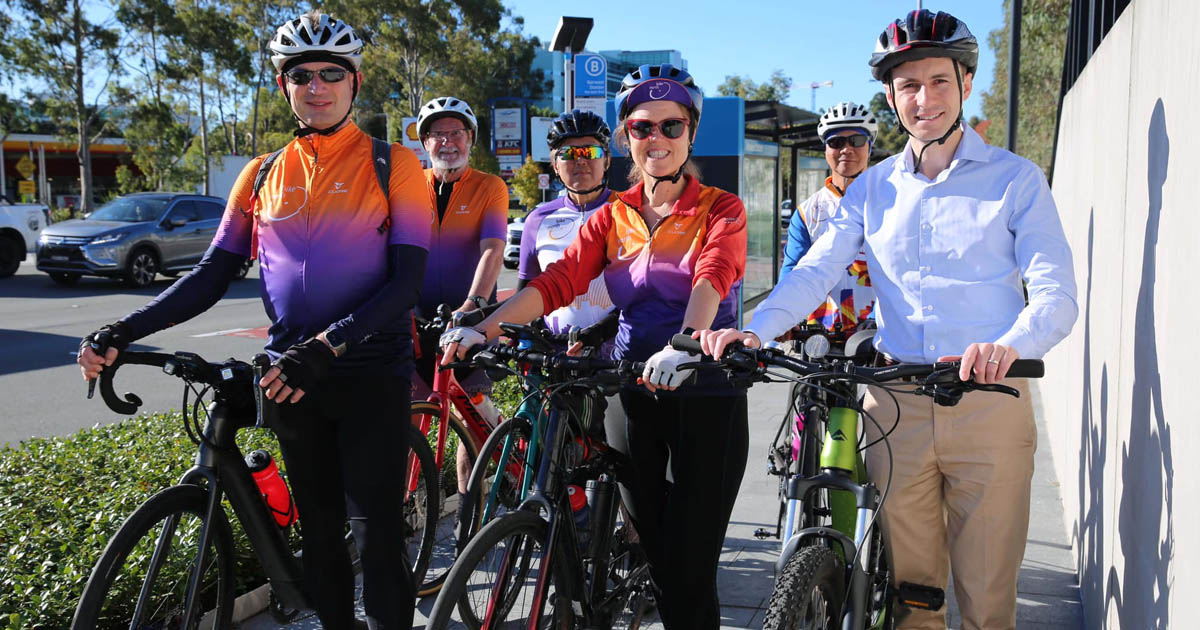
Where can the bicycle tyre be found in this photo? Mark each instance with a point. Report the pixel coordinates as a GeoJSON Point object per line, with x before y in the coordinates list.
{"type": "Point", "coordinates": [108, 603]}
{"type": "Point", "coordinates": [638, 598]}
{"type": "Point", "coordinates": [808, 592]}
{"type": "Point", "coordinates": [420, 530]}
{"type": "Point", "coordinates": [471, 576]}
{"type": "Point", "coordinates": [445, 545]}
{"type": "Point", "coordinates": [484, 473]}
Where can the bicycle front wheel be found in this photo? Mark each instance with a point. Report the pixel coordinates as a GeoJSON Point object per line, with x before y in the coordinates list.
{"type": "Point", "coordinates": [445, 544]}
{"type": "Point", "coordinates": [499, 472]}
{"type": "Point", "coordinates": [142, 579]}
{"type": "Point", "coordinates": [421, 505]}
{"type": "Point", "coordinates": [495, 580]}
{"type": "Point", "coordinates": [808, 592]}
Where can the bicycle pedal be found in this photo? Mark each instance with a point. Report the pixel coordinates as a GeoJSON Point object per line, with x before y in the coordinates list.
{"type": "Point", "coordinates": [921, 596]}
{"type": "Point", "coordinates": [762, 533]}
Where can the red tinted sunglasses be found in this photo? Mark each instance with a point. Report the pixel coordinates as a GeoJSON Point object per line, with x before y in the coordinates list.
{"type": "Point", "coordinates": [670, 128]}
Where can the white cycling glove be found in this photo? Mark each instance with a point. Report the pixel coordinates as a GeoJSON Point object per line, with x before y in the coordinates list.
{"type": "Point", "coordinates": [464, 336]}
{"type": "Point", "coordinates": [662, 368]}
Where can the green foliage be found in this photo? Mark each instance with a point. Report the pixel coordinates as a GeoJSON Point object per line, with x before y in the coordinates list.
{"type": "Point", "coordinates": [890, 138]}
{"type": "Point", "coordinates": [61, 499]}
{"type": "Point", "coordinates": [482, 160]}
{"type": "Point", "coordinates": [777, 88]}
{"type": "Point", "coordinates": [1043, 44]}
{"type": "Point", "coordinates": [524, 183]}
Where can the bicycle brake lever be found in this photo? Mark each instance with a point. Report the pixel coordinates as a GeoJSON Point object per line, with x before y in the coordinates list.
{"type": "Point", "coordinates": [1002, 389]}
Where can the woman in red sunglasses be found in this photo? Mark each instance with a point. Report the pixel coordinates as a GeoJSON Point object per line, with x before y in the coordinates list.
{"type": "Point", "coordinates": [672, 253]}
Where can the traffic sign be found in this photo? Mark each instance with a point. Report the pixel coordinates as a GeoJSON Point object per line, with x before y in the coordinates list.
{"type": "Point", "coordinates": [26, 187]}
{"type": "Point", "coordinates": [591, 75]}
{"type": "Point", "coordinates": [25, 167]}
{"type": "Point", "coordinates": [544, 181]}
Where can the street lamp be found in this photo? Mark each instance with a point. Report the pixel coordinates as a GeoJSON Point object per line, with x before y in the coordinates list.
{"type": "Point", "coordinates": [570, 37]}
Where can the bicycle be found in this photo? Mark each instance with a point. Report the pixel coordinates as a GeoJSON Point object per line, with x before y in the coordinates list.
{"type": "Point", "coordinates": [171, 563]}
{"type": "Point", "coordinates": [504, 471]}
{"type": "Point", "coordinates": [827, 577]}
{"type": "Point", "coordinates": [447, 400]}
{"type": "Point", "coordinates": [528, 568]}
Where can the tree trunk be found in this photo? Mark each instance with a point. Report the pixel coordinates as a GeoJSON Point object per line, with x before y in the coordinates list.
{"type": "Point", "coordinates": [84, 153]}
{"type": "Point", "coordinates": [203, 135]}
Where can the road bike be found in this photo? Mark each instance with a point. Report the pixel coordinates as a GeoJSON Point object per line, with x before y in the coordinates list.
{"type": "Point", "coordinates": [832, 571]}
{"type": "Point", "coordinates": [171, 563]}
{"type": "Point", "coordinates": [542, 565]}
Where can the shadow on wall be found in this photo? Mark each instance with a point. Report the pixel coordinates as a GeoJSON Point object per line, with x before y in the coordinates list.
{"type": "Point", "coordinates": [1093, 450]}
{"type": "Point", "coordinates": [1141, 594]}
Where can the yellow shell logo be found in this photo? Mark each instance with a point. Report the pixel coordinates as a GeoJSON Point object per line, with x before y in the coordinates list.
{"type": "Point", "coordinates": [411, 131]}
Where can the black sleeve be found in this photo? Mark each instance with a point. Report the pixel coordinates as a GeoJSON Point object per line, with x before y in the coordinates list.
{"type": "Point", "coordinates": [190, 296]}
{"type": "Point", "coordinates": [521, 282]}
{"type": "Point", "coordinates": [406, 272]}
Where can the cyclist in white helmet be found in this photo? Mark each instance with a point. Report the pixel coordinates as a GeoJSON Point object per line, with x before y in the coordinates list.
{"type": "Point", "coordinates": [848, 131]}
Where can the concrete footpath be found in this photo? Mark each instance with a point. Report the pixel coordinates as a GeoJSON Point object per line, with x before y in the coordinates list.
{"type": "Point", "coordinates": [1048, 591]}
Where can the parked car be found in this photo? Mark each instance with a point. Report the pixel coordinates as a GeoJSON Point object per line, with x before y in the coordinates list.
{"type": "Point", "coordinates": [512, 243]}
{"type": "Point", "coordinates": [785, 214]}
{"type": "Point", "coordinates": [133, 238]}
{"type": "Point", "coordinates": [20, 226]}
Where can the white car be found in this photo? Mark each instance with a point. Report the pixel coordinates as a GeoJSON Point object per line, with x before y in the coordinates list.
{"type": "Point", "coordinates": [20, 227]}
{"type": "Point", "coordinates": [512, 243]}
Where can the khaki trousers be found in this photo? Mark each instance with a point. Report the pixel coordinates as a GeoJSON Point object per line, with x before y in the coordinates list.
{"type": "Point", "coordinates": [959, 497]}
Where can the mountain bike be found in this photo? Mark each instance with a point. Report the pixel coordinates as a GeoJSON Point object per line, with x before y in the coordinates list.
{"type": "Point", "coordinates": [827, 577]}
{"type": "Point", "coordinates": [538, 565]}
{"type": "Point", "coordinates": [171, 563]}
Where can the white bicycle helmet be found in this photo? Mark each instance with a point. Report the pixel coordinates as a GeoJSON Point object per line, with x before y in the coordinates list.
{"type": "Point", "coordinates": [443, 106]}
{"type": "Point", "coordinates": [315, 33]}
{"type": "Point", "coordinates": [847, 115]}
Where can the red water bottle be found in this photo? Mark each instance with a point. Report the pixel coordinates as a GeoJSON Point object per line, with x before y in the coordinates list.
{"type": "Point", "coordinates": [272, 487]}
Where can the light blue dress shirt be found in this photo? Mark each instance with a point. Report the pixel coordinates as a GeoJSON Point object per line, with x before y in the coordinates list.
{"type": "Point", "coordinates": [946, 257]}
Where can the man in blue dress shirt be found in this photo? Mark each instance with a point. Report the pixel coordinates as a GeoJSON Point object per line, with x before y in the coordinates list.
{"type": "Point", "coordinates": [952, 228]}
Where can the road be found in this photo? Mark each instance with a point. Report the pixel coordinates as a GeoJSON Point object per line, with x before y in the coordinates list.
{"type": "Point", "coordinates": [41, 391]}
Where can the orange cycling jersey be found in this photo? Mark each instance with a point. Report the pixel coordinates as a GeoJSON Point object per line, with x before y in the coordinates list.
{"type": "Point", "coordinates": [478, 210]}
{"type": "Point", "coordinates": [324, 228]}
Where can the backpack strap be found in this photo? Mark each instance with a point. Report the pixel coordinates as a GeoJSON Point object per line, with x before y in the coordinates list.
{"type": "Point", "coordinates": [381, 157]}
{"type": "Point", "coordinates": [259, 178]}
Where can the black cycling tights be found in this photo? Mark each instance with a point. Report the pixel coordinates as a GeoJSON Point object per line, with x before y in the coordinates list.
{"type": "Point", "coordinates": [342, 443]}
{"type": "Point", "coordinates": [700, 443]}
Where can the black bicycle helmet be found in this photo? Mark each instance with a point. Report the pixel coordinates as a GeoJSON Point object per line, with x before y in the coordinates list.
{"type": "Point", "coordinates": [578, 123]}
{"type": "Point", "coordinates": [921, 35]}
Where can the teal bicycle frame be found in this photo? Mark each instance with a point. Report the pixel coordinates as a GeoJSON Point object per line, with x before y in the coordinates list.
{"type": "Point", "coordinates": [531, 411]}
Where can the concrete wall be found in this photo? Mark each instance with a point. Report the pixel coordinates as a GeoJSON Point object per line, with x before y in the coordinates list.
{"type": "Point", "coordinates": [1124, 434]}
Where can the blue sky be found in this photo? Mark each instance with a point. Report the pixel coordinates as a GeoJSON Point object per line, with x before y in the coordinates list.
{"type": "Point", "coordinates": [810, 40]}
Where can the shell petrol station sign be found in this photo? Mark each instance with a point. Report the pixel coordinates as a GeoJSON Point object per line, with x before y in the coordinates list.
{"type": "Point", "coordinates": [410, 139]}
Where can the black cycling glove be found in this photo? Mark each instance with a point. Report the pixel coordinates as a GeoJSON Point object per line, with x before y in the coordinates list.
{"type": "Point", "coordinates": [305, 364]}
{"type": "Point", "coordinates": [115, 335]}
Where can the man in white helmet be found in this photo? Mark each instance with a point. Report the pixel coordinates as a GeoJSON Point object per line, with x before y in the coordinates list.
{"type": "Point", "coordinates": [848, 131]}
{"type": "Point", "coordinates": [339, 222]}
{"type": "Point", "coordinates": [467, 247]}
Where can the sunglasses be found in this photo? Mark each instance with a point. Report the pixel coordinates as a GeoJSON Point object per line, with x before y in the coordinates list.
{"type": "Point", "coordinates": [452, 135]}
{"type": "Point", "coordinates": [670, 128]}
{"type": "Point", "coordinates": [837, 142]}
{"type": "Point", "coordinates": [304, 77]}
{"type": "Point", "coordinates": [589, 152]}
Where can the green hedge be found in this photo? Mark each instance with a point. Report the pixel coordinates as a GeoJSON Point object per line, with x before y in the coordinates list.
{"type": "Point", "coordinates": [61, 499]}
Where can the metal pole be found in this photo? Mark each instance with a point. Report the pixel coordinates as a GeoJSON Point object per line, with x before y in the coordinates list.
{"type": "Point", "coordinates": [1014, 73]}
{"type": "Point", "coordinates": [3, 176]}
{"type": "Point", "coordinates": [569, 74]}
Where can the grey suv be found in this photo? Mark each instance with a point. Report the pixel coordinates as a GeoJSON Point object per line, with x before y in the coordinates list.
{"type": "Point", "coordinates": [132, 238]}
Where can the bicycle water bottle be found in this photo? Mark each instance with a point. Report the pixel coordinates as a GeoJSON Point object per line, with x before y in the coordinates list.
{"type": "Point", "coordinates": [272, 487]}
{"type": "Point", "coordinates": [487, 409]}
{"type": "Point", "coordinates": [579, 508]}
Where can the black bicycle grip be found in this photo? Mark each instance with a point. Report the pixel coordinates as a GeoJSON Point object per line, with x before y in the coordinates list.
{"type": "Point", "coordinates": [1027, 368]}
{"type": "Point", "coordinates": [685, 343]}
